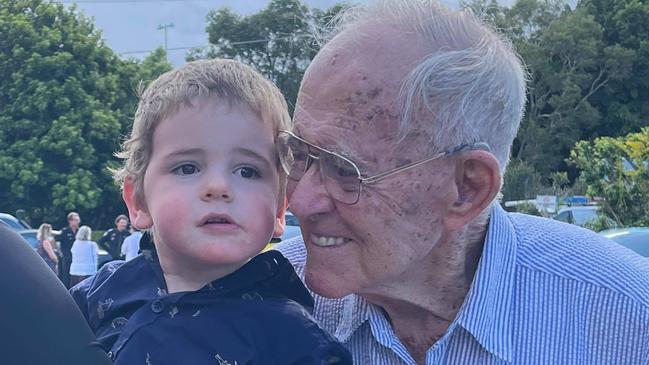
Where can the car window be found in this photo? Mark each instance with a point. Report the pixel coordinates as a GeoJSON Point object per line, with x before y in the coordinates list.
{"type": "Point", "coordinates": [565, 217]}
{"type": "Point", "coordinates": [583, 216]}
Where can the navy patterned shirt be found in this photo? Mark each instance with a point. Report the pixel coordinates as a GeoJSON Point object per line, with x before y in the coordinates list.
{"type": "Point", "coordinates": [259, 314]}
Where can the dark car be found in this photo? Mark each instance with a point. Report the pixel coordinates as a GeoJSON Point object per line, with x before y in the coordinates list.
{"type": "Point", "coordinates": [21, 227]}
{"type": "Point", "coordinates": [634, 238]}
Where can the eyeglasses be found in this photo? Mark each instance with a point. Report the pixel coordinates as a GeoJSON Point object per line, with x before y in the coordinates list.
{"type": "Point", "coordinates": [341, 177]}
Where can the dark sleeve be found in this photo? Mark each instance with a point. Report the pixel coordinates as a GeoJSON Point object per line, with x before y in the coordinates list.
{"type": "Point", "coordinates": [102, 241]}
{"type": "Point", "coordinates": [40, 323]}
{"type": "Point", "coordinates": [301, 341]}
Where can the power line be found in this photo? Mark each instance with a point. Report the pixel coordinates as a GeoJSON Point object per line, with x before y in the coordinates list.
{"type": "Point", "coordinates": [205, 46]}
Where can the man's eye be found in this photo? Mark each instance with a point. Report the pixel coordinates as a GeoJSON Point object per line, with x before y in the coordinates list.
{"type": "Point", "coordinates": [248, 172]}
{"type": "Point", "coordinates": [185, 169]}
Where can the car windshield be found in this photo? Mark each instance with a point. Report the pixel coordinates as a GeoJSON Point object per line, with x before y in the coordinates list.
{"type": "Point", "coordinates": [637, 242]}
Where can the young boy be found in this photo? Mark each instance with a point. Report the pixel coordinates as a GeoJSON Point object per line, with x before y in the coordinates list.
{"type": "Point", "coordinates": [201, 175]}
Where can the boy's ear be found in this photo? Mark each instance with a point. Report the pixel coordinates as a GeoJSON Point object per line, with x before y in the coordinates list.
{"type": "Point", "coordinates": [280, 220]}
{"type": "Point", "coordinates": [139, 215]}
{"type": "Point", "coordinates": [478, 181]}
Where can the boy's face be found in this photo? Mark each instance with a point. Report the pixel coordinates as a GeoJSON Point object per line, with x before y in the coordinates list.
{"type": "Point", "coordinates": [211, 188]}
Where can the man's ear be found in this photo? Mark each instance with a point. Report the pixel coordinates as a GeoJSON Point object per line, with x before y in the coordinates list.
{"type": "Point", "coordinates": [138, 214]}
{"type": "Point", "coordinates": [280, 219]}
{"type": "Point", "coordinates": [478, 181]}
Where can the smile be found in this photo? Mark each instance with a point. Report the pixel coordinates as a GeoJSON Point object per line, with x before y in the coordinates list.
{"type": "Point", "coordinates": [323, 241]}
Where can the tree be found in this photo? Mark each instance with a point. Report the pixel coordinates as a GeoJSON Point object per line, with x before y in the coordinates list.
{"type": "Point", "coordinates": [617, 169]}
{"type": "Point", "coordinates": [276, 41]}
{"type": "Point", "coordinates": [66, 100]}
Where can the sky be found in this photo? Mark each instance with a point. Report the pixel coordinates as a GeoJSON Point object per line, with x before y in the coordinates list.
{"type": "Point", "coordinates": [130, 27]}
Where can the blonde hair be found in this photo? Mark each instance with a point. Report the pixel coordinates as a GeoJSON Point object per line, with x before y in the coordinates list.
{"type": "Point", "coordinates": [225, 80]}
{"type": "Point", "coordinates": [84, 233]}
{"type": "Point", "coordinates": [44, 232]}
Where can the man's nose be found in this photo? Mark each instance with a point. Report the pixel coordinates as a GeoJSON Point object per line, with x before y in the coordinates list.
{"type": "Point", "coordinates": [216, 185]}
{"type": "Point", "coordinates": [308, 196]}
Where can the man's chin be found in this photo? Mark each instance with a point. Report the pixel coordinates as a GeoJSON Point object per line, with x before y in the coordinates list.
{"type": "Point", "coordinates": [326, 285]}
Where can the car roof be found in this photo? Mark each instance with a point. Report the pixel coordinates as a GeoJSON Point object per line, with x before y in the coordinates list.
{"type": "Point", "coordinates": [626, 230]}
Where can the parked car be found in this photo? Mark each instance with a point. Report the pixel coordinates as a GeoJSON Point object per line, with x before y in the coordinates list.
{"type": "Point", "coordinates": [578, 214]}
{"type": "Point", "coordinates": [292, 227]}
{"type": "Point", "coordinates": [634, 238]}
{"type": "Point", "coordinates": [21, 227]}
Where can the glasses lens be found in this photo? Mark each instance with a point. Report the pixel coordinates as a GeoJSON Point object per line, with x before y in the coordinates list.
{"type": "Point", "coordinates": [341, 178]}
{"type": "Point", "coordinates": [293, 154]}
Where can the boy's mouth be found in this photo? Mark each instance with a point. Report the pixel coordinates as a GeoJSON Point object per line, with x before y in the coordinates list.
{"type": "Point", "coordinates": [216, 219]}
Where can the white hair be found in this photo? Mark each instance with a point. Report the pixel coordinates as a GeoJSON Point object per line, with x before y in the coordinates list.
{"type": "Point", "coordinates": [470, 88]}
{"type": "Point", "coordinates": [84, 233]}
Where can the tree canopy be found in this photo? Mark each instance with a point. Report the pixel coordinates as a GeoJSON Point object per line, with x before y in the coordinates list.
{"type": "Point", "coordinates": [618, 170]}
{"type": "Point", "coordinates": [277, 41]}
{"type": "Point", "coordinates": [66, 100]}
{"type": "Point", "coordinates": [588, 70]}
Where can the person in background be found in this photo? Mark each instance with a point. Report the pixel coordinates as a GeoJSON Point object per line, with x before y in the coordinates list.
{"type": "Point", "coordinates": [112, 239]}
{"type": "Point", "coordinates": [131, 244]}
{"type": "Point", "coordinates": [47, 246]}
{"type": "Point", "coordinates": [84, 256]}
{"type": "Point", "coordinates": [66, 239]}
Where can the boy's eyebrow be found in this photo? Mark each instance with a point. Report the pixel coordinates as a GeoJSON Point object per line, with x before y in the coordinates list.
{"type": "Point", "coordinates": [254, 154]}
{"type": "Point", "coordinates": [186, 152]}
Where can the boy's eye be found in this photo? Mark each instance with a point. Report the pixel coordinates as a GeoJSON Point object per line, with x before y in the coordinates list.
{"type": "Point", "coordinates": [185, 169]}
{"type": "Point", "coordinates": [248, 172]}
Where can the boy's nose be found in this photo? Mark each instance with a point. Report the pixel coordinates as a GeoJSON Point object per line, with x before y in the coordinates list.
{"type": "Point", "coordinates": [216, 187]}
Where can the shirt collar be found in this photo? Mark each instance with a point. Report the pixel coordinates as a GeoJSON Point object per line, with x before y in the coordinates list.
{"type": "Point", "coordinates": [486, 312]}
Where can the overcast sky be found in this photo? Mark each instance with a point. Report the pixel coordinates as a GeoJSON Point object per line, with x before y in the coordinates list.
{"type": "Point", "coordinates": [132, 25]}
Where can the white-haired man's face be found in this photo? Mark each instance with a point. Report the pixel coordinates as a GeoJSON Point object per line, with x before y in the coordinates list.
{"type": "Point", "coordinates": [347, 105]}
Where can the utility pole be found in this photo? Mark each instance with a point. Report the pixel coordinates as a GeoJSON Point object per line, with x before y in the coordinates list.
{"type": "Point", "coordinates": [164, 27]}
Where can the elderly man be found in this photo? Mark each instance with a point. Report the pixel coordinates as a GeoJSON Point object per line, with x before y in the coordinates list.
{"type": "Point", "coordinates": [401, 134]}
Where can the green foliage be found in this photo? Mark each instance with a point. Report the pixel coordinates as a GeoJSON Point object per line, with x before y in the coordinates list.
{"type": "Point", "coordinates": [589, 72]}
{"type": "Point", "coordinates": [527, 208]}
{"type": "Point", "coordinates": [521, 181]}
{"type": "Point", "coordinates": [276, 41]}
{"type": "Point", "coordinates": [617, 169]}
{"type": "Point", "coordinates": [66, 100]}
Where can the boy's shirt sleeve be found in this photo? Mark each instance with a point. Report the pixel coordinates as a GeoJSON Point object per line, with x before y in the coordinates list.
{"type": "Point", "coordinates": [82, 292]}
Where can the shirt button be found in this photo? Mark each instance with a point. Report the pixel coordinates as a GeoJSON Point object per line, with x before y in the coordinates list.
{"type": "Point", "coordinates": [157, 306]}
{"type": "Point", "coordinates": [110, 355]}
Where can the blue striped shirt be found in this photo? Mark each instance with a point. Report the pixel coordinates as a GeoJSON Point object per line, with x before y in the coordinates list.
{"type": "Point", "coordinates": [544, 293]}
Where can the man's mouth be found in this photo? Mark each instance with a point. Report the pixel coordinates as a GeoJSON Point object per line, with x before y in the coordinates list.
{"type": "Point", "coordinates": [327, 241]}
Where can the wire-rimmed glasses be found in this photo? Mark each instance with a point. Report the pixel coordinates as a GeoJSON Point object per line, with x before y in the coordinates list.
{"type": "Point", "coordinates": [341, 177]}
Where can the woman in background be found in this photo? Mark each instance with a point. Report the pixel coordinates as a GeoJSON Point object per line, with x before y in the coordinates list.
{"type": "Point", "coordinates": [47, 246]}
{"type": "Point", "coordinates": [84, 256]}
